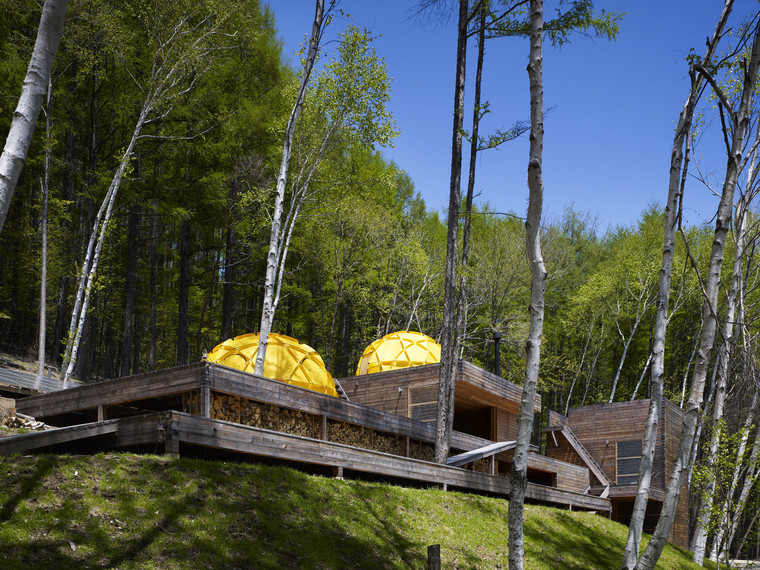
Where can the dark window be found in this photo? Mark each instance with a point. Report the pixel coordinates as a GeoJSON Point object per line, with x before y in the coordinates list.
{"type": "Point", "coordinates": [628, 461]}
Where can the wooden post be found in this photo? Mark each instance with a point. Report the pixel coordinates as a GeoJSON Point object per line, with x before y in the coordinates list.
{"type": "Point", "coordinates": [323, 429]}
{"type": "Point", "coordinates": [493, 465]}
{"type": "Point", "coordinates": [205, 399]}
{"type": "Point", "coordinates": [434, 557]}
{"type": "Point", "coordinates": [338, 472]}
{"type": "Point", "coordinates": [101, 413]}
{"type": "Point", "coordinates": [171, 444]}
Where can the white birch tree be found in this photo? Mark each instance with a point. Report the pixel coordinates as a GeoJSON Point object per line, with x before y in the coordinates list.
{"type": "Point", "coordinates": [739, 120]}
{"type": "Point", "coordinates": [30, 102]}
{"type": "Point", "coordinates": [699, 537]}
{"type": "Point", "coordinates": [348, 100]}
{"type": "Point", "coordinates": [519, 474]}
{"type": "Point", "coordinates": [657, 367]}
{"type": "Point", "coordinates": [276, 241]}
{"type": "Point", "coordinates": [178, 51]}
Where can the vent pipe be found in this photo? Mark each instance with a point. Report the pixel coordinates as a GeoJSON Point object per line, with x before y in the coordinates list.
{"type": "Point", "coordinates": [496, 356]}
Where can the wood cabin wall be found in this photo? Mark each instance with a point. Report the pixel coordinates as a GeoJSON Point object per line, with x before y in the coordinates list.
{"type": "Point", "coordinates": [597, 425]}
{"type": "Point", "coordinates": [406, 391]}
{"type": "Point", "coordinates": [601, 426]}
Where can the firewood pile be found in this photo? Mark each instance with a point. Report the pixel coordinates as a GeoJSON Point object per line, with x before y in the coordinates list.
{"type": "Point", "coordinates": [13, 419]}
{"type": "Point", "coordinates": [256, 414]}
{"type": "Point", "coordinates": [241, 410]}
{"type": "Point", "coordinates": [481, 465]}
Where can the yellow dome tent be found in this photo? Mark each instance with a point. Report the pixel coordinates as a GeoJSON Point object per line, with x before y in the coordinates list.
{"type": "Point", "coordinates": [400, 349]}
{"type": "Point", "coordinates": [287, 360]}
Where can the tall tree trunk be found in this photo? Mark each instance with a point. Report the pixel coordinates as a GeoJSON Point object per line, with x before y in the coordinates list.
{"type": "Point", "coordinates": [273, 256]}
{"type": "Point", "coordinates": [709, 318]}
{"type": "Point", "coordinates": [447, 375]}
{"type": "Point", "coordinates": [129, 300]}
{"type": "Point", "coordinates": [30, 101]}
{"type": "Point", "coordinates": [44, 224]}
{"type": "Point", "coordinates": [184, 292]}
{"type": "Point", "coordinates": [699, 539]}
{"type": "Point", "coordinates": [93, 251]}
{"type": "Point", "coordinates": [519, 474]}
{"type": "Point", "coordinates": [153, 326]}
{"type": "Point", "coordinates": [677, 176]}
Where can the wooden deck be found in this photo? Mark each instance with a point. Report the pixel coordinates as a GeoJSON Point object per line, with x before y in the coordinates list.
{"type": "Point", "coordinates": [212, 407]}
{"type": "Point", "coordinates": [178, 432]}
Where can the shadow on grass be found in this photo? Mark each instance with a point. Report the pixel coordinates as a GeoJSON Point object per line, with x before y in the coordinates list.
{"type": "Point", "coordinates": [30, 483]}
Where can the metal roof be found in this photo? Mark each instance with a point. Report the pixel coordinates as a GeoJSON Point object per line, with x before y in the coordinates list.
{"type": "Point", "coordinates": [14, 380]}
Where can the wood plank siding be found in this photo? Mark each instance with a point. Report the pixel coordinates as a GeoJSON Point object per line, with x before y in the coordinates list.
{"type": "Point", "coordinates": [611, 434]}
{"type": "Point", "coordinates": [486, 405]}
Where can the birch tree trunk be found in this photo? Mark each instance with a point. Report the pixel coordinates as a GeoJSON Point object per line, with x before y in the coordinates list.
{"type": "Point", "coordinates": [447, 375]}
{"type": "Point", "coordinates": [273, 256]}
{"type": "Point", "coordinates": [728, 525]}
{"type": "Point", "coordinates": [43, 256]}
{"type": "Point", "coordinates": [519, 473]}
{"type": "Point", "coordinates": [99, 229]}
{"type": "Point", "coordinates": [683, 130]}
{"type": "Point", "coordinates": [709, 318]}
{"type": "Point", "coordinates": [699, 539]}
{"type": "Point", "coordinates": [29, 103]}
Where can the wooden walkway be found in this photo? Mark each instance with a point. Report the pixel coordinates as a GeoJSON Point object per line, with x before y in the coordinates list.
{"type": "Point", "coordinates": [204, 406]}
{"type": "Point", "coordinates": [175, 433]}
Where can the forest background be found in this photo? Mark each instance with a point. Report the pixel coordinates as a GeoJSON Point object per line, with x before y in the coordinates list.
{"type": "Point", "coordinates": [183, 262]}
{"type": "Point", "coordinates": [184, 257]}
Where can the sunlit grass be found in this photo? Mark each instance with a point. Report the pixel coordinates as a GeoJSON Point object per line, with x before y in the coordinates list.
{"type": "Point", "coordinates": [128, 511]}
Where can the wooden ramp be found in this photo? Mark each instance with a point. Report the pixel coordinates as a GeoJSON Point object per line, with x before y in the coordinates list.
{"type": "Point", "coordinates": [480, 453]}
{"type": "Point", "coordinates": [178, 432]}
{"type": "Point", "coordinates": [583, 453]}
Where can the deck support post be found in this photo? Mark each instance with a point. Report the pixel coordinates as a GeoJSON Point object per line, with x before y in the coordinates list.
{"type": "Point", "coordinates": [101, 413]}
{"type": "Point", "coordinates": [205, 398]}
{"type": "Point", "coordinates": [338, 472]}
{"type": "Point", "coordinates": [323, 428]}
{"type": "Point", "coordinates": [171, 444]}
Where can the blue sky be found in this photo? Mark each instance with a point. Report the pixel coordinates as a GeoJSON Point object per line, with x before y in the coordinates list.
{"type": "Point", "coordinates": [608, 138]}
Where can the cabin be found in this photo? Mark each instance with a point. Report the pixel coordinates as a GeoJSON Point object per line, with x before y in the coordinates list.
{"type": "Point", "coordinates": [612, 435]}
{"type": "Point", "coordinates": [378, 424]}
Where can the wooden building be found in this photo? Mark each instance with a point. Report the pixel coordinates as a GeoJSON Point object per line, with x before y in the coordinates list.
{"type": "Point", "coordinates": [612, 435]}
{"type": "Point", "coordinates": [213, 411]}
{"type": "Point", "coordinates": [384, 427]}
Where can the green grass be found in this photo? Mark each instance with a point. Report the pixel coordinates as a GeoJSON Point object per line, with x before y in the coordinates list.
{"type": "Point", "coordinates": [128, 511]}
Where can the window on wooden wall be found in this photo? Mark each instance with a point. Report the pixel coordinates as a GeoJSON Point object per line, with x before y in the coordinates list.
{"type": "Point", "coordinates": [423, 403]}
{"type": "Point", "coordinates": [628, 461]}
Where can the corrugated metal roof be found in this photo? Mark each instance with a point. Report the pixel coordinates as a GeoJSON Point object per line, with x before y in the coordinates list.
{"type": "Point", "coordinates": [26, 382]}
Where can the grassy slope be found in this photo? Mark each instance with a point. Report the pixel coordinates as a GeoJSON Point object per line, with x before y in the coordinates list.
{"type": "Point", "coordinates": [128, 511]}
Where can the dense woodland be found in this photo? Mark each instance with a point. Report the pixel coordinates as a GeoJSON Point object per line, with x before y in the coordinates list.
{"type": "Point", "coordinates": [184, 256]}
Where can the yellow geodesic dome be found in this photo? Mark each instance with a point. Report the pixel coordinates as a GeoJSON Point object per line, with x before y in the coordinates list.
{"type": "Point", "coordinates": [400, 349]}
{"type": "Point", "coordinates": [287, 360]}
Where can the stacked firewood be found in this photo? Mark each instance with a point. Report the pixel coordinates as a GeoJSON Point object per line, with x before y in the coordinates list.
{"type": "Point", "coordinates": [13, 419]}
{"type": "Point", "coordinates": [256, 414]}
{"type": "Point", "coordinates": [349, 434]}
{"type": "Point", "coordinates": [267, 416]}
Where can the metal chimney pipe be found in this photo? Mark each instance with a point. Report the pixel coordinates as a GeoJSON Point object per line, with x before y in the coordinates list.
{"type": "Point", "coordinates": [496, 357]}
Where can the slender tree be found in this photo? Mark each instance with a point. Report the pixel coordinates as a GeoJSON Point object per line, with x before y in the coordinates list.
{"type": "Point", "coordinates": [274, 256]}
{"type": "Point", "coordinates": [519, 474]}
{"type": "Point", "coordinates": [32, 97]}
{"type": "Point", "coordinates": [44, 240]}
{"type": "Point", "coordinates": [735, 163]}
{"type": "Point", "coordinates": [447, 376]}
{"type": "Point", "coordinates": [657, 367]}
